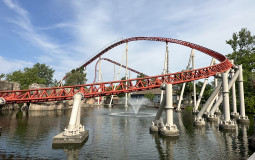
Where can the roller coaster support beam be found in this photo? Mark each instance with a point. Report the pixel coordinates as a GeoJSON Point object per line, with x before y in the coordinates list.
{"type": "Point", "coordinates": [218, 112]}
{"type": "Point", "coordinates": [169, 129]}
{"type": "Point", "coordinates": [195, 109]}
{"type": "Point", "coordinates": [158, 122]}
{"type": "Point", "coordinates": [194, 82]}
{"type": "Point", "coordinates": [226, 123]}
{"type": "Point", "coordinates": [233, 114]}
{"type": "Point", "coordinates": [211, 115]}
{"type": "Point", "coordinates": [126, 94]}
{"type": "Point", "coordinates": [75, 132]}
{"type": "Point", "coordinates": [165, 70]}
{"type": "Point", "coordinates": [242, 118]}
{"type": "Point", "coordinates": [183, 87]}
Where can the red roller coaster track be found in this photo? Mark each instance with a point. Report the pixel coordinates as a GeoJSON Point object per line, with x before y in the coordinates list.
{"type": "Point", "coordinates": [123, 86]}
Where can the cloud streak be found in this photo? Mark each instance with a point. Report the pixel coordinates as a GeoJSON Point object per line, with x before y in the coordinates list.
{"type": "Point", "coordinates": [92, 25]}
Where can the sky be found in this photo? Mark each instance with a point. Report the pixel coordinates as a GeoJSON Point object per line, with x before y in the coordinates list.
{"type": "Point", "coordinates": [64, 34]}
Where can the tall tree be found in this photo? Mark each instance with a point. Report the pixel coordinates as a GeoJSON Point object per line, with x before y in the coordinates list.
{"type": "Point", "coordinates": [75, 77]}
{"type": "Point", "coordinates": [243, 45]}
{"type": "Point", "coordinates": [39, 73]}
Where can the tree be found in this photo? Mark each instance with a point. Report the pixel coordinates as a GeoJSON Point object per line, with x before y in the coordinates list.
{"type": "Point", "coordinates": [75, 77]}
{"type": "Point", "coordinates": [39, 73]}
{"type": "Point", "coordinates": [207, 92]}
{"type": "Point", "coordinates": [188, 91]}
{"type": "Point", "coordinates": [45, 72]}
{"type": "Point", "coordinates": [2, 76]}
{"type": "Point", "coordinates": [243, 45]}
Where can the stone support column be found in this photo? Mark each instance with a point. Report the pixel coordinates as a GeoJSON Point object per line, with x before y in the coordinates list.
{"type": "Point", "coordinates": [169, 129]}
{"type": "Point", "coordinates": [242, 118]}
{"type": "Point", "coordinates": [226, 123]}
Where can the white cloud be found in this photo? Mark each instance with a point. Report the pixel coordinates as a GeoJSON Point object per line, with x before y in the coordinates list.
{"type": "Point", "coordinates": [13, 65]}
{"type": "Point", "coordinates": [95, 24]}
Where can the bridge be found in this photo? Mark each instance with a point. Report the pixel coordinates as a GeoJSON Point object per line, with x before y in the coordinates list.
{"type": "Point", "coordinates": [122, 86]}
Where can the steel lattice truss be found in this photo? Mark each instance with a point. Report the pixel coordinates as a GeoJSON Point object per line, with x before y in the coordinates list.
{"type": "Point", "coordinates": [123, 86]}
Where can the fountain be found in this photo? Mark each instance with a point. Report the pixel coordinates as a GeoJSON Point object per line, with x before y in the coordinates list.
{"type": "Point", "coordinates": [135, 104]}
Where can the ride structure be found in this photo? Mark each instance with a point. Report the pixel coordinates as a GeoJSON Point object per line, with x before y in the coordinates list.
{"type": "Point", "coordinates": [123, 86]}
{"type": "Point", "coordinates": [132, 85]}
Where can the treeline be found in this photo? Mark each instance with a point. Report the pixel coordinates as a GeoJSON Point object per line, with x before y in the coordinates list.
{"type": "Point", "coordinates": [243, 45]}
{"type": "Point", "coordinates": [43, 74]}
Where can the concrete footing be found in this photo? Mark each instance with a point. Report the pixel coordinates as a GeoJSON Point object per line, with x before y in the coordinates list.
{"type": "Point", "coordinates": [169, 131]}
{"type": "Point", "coordinates": [178, 110]}
{"type": "Point", "coordinates": [155, 125]}
{"type": "Point", "coordinates": [205, 115]}
{"type": "Point", "coordinates": [218, 112]}
{"type": "Point", "coordinates": [76, 139]}
{"type": "Point", "coordinates": [154, 129]}
{"type": "Point", "coordinates": [199, 122]}
{"type": "Point", "coordinates": [212, 118]}
{"type": "Point", "coordinates": [243, 120]}
{"type": "Point", "coordinates": [234, 115]}
{"type": "Point", "coordinates": [227, 126]}
{"type": "Point", "coordinates": [195, 112]}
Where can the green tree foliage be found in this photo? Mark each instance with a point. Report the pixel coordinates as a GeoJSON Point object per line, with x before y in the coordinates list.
{"type": "Point", "coordinates": [75, 77]}
{"type": "Point", "coordinates": [150, 96]}
{"type": "Point", "coordinates": [188, 91]}
{"type": "Point", "coordinates": [207, 92]}
{"type": "Point", "coordinates": [39, 73]}
{"type": "Point", "coordinates": [2, 76]}
{"type": "Point", "coordinates": [243, 45]}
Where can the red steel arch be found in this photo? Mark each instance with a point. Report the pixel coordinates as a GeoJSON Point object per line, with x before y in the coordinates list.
{"type": "Point", "coordinates": [123, 86]}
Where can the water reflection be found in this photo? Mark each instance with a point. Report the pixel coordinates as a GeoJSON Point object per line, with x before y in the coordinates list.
{"type": "Point", "coordinates": [29, 134]}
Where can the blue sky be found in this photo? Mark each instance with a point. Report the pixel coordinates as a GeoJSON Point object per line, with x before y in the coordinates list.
{"type": "Point", "coordinates": [64, 33]}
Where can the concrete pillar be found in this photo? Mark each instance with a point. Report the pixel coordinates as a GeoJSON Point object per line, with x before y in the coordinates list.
{"type": "Point", "coordinates": [165, 70]}
{"type": "Point", "coordinates": [75, 115]}
{"type": "Point", "coordinates": [126, 94]}
{"type": "Point", "coordinates": [217, 112]}
{"type": "Point", "coordinates": [242, 118]}
{"type": "Point", "coordinates": [226, 123]}
{"type": "Point", "coordinates": [75, 132]}
{"type": "Point", "coordinates": [184, 84]}
{"type": "Point", "coordinates": [169, 129]}
{"type": "Point", "coordinates": [99, 77]}
{"type": "Point", "coordinates": [199, 121]}
{"type": "Point", "coordinates": [194, 82]}
{"type": "Point", "coordinates": [158, 123]}
{"type": "Point", "coordinates": [225, 93]}
{"type": "Point", "coordinates": [234, 113]}
{"type": "Point", "coordinates": [220, 99]}
{"type": "Point", "coordinates": [169, 104]}
{"type": "Point", "coordinates": [195, 109]}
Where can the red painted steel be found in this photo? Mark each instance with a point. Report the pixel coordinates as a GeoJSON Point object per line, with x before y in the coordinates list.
{"type": "Point", "coordinates": [123, 66]}
{"type": "Point", "coordinates": [107, 88]}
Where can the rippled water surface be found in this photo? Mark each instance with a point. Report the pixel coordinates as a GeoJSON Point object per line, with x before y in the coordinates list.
{"type": "Point", "coordinates": [117, 134]}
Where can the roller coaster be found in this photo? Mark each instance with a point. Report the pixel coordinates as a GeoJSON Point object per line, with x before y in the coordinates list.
{"type": "Point", "coordinates": [122, 86]}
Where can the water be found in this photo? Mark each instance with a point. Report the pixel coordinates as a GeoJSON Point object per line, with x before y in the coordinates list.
{"type": "Point", "coordinates": [112, 136]}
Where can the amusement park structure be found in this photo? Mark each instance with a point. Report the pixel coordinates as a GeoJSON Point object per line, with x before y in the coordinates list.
{"type": "Point", "coordinates": [220, 70]}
